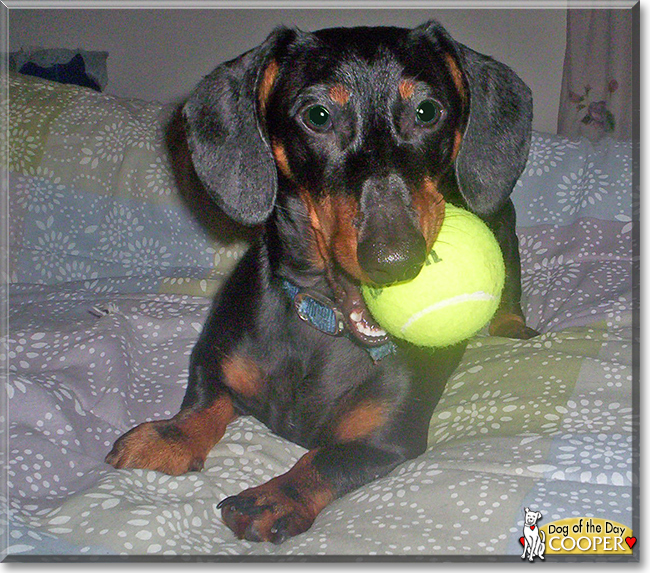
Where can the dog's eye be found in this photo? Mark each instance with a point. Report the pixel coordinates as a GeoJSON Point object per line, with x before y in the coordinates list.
{"type": "Point", "coordinates": [429, 113]}
{"type": "Point", "coordinates": [317, 117]}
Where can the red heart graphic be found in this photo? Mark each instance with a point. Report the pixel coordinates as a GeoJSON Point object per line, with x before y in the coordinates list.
{"type": "Point", "coordinates": [522, 541]}
{"type": "Point", "coordinates": [630, 541]}
{"type": "Point", "coordinates": [532, 527]}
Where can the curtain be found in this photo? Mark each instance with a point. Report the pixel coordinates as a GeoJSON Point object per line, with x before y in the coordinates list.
{"type": "Point", "coordinates": [598, 83]}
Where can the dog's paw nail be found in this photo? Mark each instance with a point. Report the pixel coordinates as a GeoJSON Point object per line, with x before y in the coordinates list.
{"type": "Point", "coordinates": [228, 503]}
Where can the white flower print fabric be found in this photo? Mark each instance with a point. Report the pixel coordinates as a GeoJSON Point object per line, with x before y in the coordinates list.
{"type": "Point", "coordinates": [111, 279]}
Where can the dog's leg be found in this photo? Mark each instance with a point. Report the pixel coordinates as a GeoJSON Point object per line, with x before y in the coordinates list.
{"type": "Point", "coordinates": [365, 443]}
{"type": "Point", "coordinates": [288, 504]}
{"type": "Point", "coordinates": [174, 446]}
{"type": "Point", "coordinates": [526, 547]}
{"type": "Point", "coordinates": [182, 443]}
{"type": "Point", "coordinates": [509, 319]}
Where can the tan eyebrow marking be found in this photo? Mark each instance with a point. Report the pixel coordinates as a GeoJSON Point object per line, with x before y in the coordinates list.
{"type": "Point", "coordinates": [406, 88]}
{"type": "Point", "coordinates": [340, 94]}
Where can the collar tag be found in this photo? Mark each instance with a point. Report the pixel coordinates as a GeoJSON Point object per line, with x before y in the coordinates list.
{"type": "Point", "coordinates": [320, 312]}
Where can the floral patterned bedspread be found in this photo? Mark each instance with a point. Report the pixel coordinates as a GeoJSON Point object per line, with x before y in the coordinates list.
{"type": "Point", "coordinates": [110, 282]}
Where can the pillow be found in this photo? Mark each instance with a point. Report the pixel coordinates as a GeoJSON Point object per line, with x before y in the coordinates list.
{"type": "Point", "coordinates": [93, 196]}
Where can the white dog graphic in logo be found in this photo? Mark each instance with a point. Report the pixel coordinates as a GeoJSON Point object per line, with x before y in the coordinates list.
{"type": "Point", "coordinates": [533, 539]}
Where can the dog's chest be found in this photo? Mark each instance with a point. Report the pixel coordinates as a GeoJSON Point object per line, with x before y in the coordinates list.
{"type": "Point", "coordinates": [308, 389]}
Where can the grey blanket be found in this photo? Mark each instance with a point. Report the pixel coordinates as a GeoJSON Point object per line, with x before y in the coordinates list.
{"type": "Point", "coordinates": [101, 327]}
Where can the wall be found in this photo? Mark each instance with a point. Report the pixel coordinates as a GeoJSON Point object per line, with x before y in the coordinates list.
{"type": "Point", "coordinates": [160, 54]}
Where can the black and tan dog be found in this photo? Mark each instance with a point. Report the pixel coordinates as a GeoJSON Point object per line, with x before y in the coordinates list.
{"type": "Point", "coordinates": [345, 145]}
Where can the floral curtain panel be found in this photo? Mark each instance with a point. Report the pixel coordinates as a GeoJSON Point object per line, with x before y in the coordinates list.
{"type": "Point", "coordinates": [597, 84]}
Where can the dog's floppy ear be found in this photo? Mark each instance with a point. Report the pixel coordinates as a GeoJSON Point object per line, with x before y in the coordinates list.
{"type": "Point", "coordinates": [494, 147]}
{"type": "Point", "coordinates": [230, 150]}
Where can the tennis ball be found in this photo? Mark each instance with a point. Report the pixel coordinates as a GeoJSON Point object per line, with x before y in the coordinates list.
{"type": "Point", "coordinates": [456, 293]}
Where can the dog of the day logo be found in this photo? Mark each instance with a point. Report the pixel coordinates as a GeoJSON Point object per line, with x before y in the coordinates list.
{"type": "Point", "coordinates": [574, 536]}
{"type": "Point", "coordinates": [533, 539]}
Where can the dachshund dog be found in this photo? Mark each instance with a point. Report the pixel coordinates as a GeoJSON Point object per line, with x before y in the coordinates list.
{"type": "Point", "coordinates": [342, 146]}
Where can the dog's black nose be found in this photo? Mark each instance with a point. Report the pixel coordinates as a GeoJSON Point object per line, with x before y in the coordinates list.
{"type": "Point", "coordinates": [387, 264]}
{"type": "Point", "coordinates": [391, 246]}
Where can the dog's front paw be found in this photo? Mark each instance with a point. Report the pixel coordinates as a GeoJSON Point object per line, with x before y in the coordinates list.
{"type": "Point", "coordinates": [159, 446]}
{"type": "Point", "coordinates": [265, 514]}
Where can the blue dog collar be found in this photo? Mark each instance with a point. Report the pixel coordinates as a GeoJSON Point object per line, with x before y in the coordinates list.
{"type": "Point", "coordinates": [316, 309]}
{"type": "Point", "coordinates": [322, 313]}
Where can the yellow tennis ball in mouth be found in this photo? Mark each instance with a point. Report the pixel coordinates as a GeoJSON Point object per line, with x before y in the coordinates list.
{"type": "Point", "coordinates": [456, 293]}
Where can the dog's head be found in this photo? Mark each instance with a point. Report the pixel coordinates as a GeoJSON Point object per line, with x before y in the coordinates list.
{"type": "Point", "coordinates": [531, 517]}
{"type": "Point", "coordinates": [372, 129]}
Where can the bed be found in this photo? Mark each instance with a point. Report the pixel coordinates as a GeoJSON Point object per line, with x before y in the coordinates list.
{"type": "Point", "coordinates": [111, 276]}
